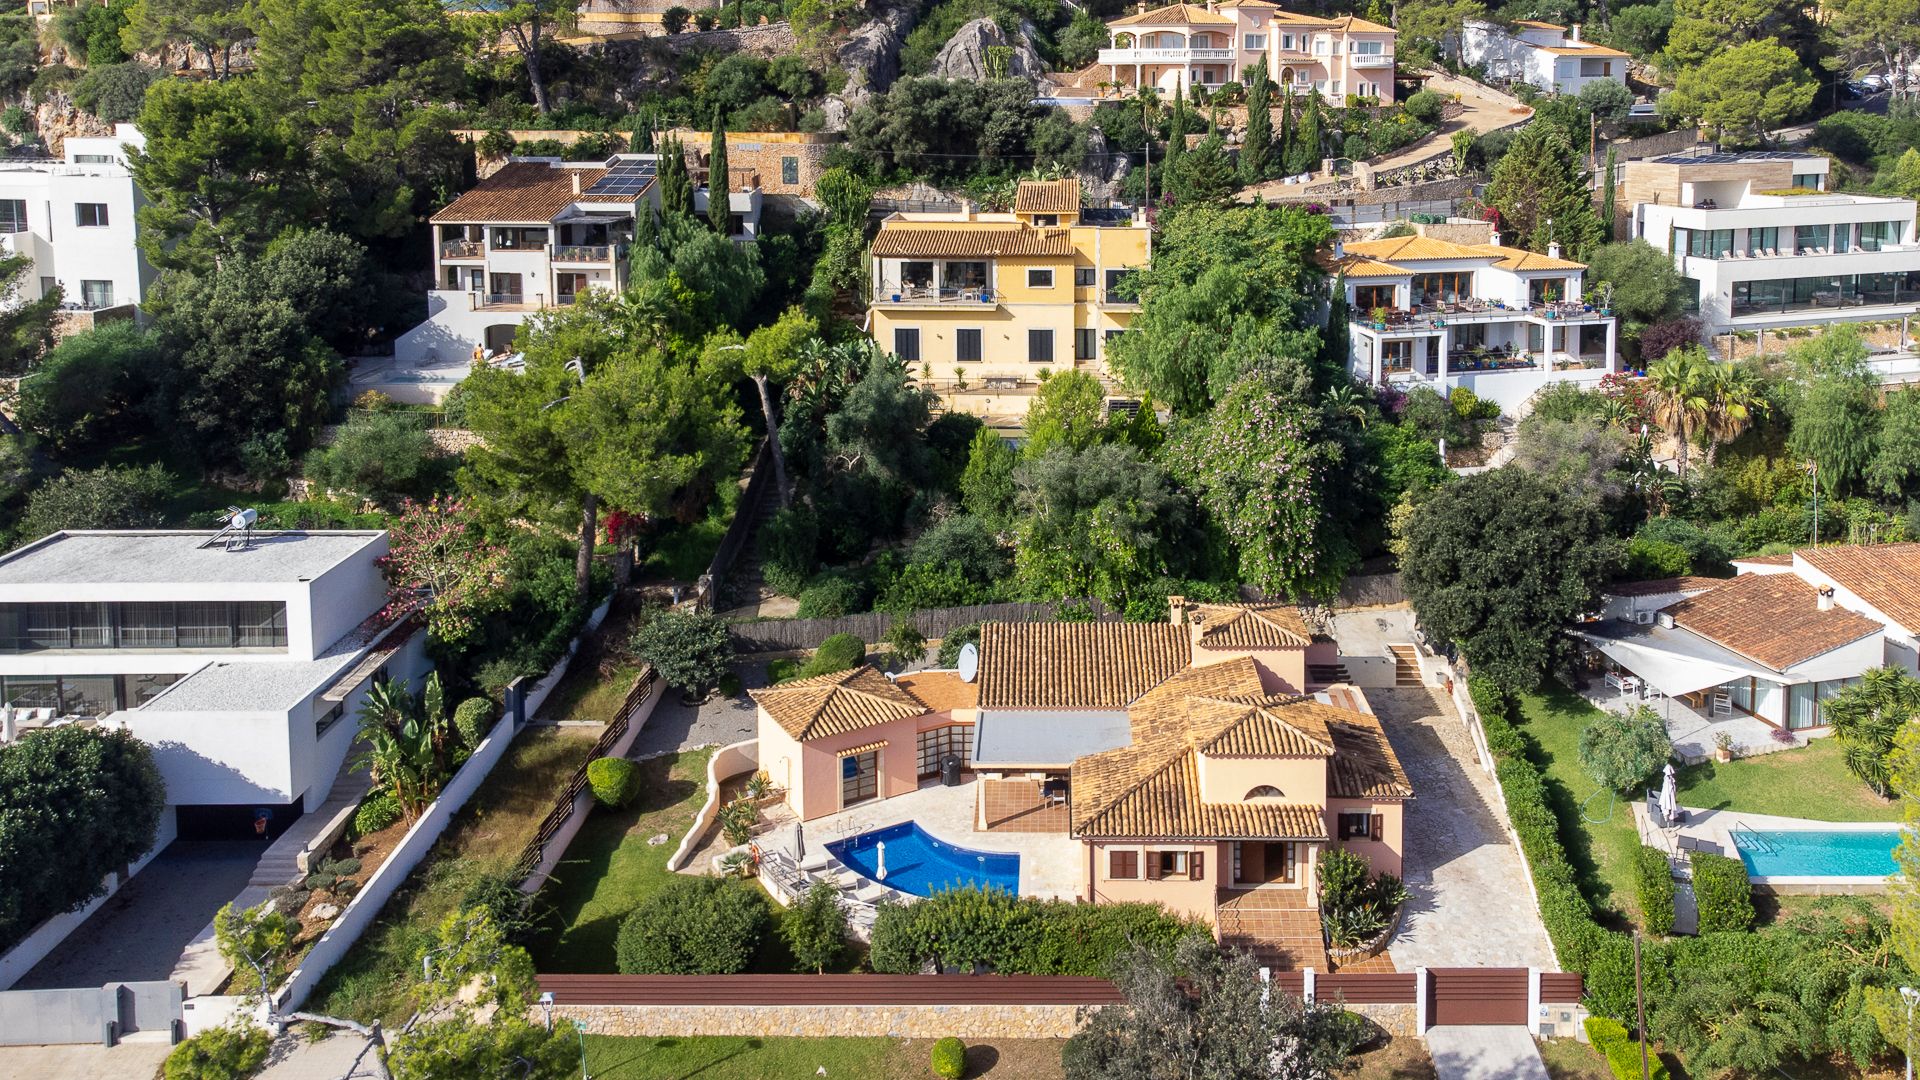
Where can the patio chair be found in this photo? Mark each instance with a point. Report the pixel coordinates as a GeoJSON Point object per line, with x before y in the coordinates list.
{"type": "Point", "coordinates": [872, 893]}
{"type": "Point", "coordinates": [816, 860]}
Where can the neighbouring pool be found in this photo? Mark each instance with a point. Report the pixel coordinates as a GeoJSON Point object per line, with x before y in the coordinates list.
{"type": "Point", "coordinates": [1818, 853]}
{"type": "Point", "coordinates": [922, 865]}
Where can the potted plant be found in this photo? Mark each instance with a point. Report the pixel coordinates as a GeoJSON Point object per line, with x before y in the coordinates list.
{"type": "Point", "coordinates": [1379, 316]}
{"type": "Point", "coordinates": [959, 378]}
{"type": "Point", "coordinates": [1722, 747]}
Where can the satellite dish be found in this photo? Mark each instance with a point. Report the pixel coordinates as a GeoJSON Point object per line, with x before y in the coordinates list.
{"type": "Point", "coordinates": [969, 662]}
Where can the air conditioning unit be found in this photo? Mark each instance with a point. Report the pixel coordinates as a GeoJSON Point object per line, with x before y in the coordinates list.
{"type": "Point", "coordinates": [1666, 621]}
{"type": "Point", "coordinates": [1644, 618]}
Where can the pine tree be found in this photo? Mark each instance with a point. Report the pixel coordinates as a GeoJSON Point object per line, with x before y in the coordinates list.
{"type": "Point", "coordinates": [1177, 129]}
{"type": "Point", "coordinates": [1258, 146]}
{"type": "Point", "coordinates": [718, 187]}
{"type": "Point", "coordinates": [676, 187]}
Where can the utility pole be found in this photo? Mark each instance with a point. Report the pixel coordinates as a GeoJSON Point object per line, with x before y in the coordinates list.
{"type": "Point", "coordinates": [1813, 470]}
{"type": "Point", "coordinates": [1640, 1005]}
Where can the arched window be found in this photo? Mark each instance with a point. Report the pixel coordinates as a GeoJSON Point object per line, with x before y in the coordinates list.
{"type": "Point", "coordinates": [1264, 791]}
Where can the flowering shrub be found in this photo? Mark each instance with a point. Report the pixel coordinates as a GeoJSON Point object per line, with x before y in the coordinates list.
{"type": "Point", "coordinates": [439, 561]}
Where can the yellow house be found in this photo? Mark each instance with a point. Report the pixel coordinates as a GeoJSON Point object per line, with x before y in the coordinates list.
{"type": "Point", "coordinates": [994, 301]}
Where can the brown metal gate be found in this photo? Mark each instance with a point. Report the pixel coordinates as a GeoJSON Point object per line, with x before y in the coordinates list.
{"type": "Point", "coordinates": [1477, 996]}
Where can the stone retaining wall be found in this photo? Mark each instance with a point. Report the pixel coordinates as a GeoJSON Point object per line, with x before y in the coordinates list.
{"type": "Point", "coordinates": [897, 1021]}
{"type": "Point", "coordinates": [1400, 1021]}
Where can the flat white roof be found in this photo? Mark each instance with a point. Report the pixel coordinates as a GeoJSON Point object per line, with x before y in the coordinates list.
{"type": "Point", "coordinates": [1008, 737]}
{"type": "Point", "coordinates": [248, 685]}
{"type": "Point", "coordinates": [176, 557]}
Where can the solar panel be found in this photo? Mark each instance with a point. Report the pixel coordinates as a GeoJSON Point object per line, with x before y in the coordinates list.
{"type": "Point", "coordinates": [626, 178]}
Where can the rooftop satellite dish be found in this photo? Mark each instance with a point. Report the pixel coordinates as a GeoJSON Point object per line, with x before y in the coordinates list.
{"type": "Point", "coordinates": [969, 662]}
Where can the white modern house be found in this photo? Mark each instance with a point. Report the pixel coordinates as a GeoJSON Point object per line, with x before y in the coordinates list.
{"type": "Point", "coordinates": [1770, 245]}
{"type": "Point", "coordinates": [1546, 55]}
{"type": "Point", "coordinates": [1500, 321]}
{"type": "Point", "coordinates": [75, 219]}
{"type": "Point", "coordinates": [537, 234]}
{"type": "Point", "coordinates": [241, 659]}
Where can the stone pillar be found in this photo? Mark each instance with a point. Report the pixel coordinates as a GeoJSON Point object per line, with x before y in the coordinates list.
{"type": "Point", "coordinates": [1446, 346]}
{"type": "Point", "coordinates": [1533, 999]}
{"type": "Point", "coordinates": [1375, 338]}
{"type": "Point", "coordinates": [1422, 991]}
{"type": "Point", "coordinates": [1613, 356]}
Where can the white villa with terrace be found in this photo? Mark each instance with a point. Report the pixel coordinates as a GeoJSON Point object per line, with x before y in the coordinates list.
{"type": "Point", "coordinates": [1546, 55]}
{"type": "Point", "coordinates": [1501, 321]}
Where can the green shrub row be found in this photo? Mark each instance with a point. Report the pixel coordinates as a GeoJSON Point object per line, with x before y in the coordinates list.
{"type": "Point", "coordinates": [1655, 881]}
{"type": "Point", "coordinates": [1018, 935]}
{"type": "Point", "coordinates": [1721, 888]}
{"type": "Point", "coordinates": [1609, 1036]}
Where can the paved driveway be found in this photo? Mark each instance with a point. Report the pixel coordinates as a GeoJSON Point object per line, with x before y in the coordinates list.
{"type": "Point", "coordinates": [1471, 905]}
{"type": "Point", "coordinates": [722, 720]}
{"type": "Point", "coordinates": [1484, 1053]}
{"type": "Point", "coordinates": [129, 1061]}
{"type": "Point", "coordinates": [140, 932]}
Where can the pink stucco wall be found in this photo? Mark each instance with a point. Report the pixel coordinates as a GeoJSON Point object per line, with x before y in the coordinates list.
{"type": "Point", "coordinates": [1182, 896]}
{"type": "Point", "coordinates": [1386, 854]}
{"type": "Point", "coordinates": [811, 771]}
{"type": "Point", "coordinates": [1281, 670]}
{"type": "Point", "coordinates": [1228, 779]}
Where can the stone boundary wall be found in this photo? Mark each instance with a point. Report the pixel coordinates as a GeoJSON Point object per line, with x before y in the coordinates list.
{"type": "Point", "coordinates": [1400, 1021]}
{"type": "Point", "coordinates": [896, 1021]}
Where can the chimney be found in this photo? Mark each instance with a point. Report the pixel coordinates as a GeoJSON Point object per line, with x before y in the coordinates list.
{"type": "Point", "coordinates": [1553, 250]}
{"type": "Point", "coordinates": [1339, 249]}
{"type": "Point", "coordinates": [576, 180]}
{"type": "Point", "coordinates": [1140, 8]}
{"type": "Point", "coordinates": [1573, 32]}
{"type": "Point", "coordinates": [1176, 609]}
{"type": "Point", "coordinates": [1825, 594]}
{"type": "Point", "coordinates": [1493, 232]}
{"type": "Point", "coordinates": [966, 209]}
{"type": "Point", "coordinates": [1210, 5]}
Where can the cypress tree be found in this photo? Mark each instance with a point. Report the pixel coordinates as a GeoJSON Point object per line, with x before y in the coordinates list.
{"type": "Point", "coordinates": [676, 187]}
{"type": "Point", "coordinates": [1607, 195]}
{"type": "Point", "coordinates": [717, 185]}
{"type": "Point", "coordinates": [1258, 147]}
{"type": "Point", "coordinates": [1311, 134]}
{"type": "Point", "coordinates": [1177, 130]}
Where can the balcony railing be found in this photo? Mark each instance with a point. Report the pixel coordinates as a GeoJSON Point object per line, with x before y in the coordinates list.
{"type": "Point", "coordinates": [1433, 316]}
{"type": "Point", "coordinates": [582, 253]}
{"type": "Point", "coordinates": [1164, 56]}
{"type": "Point", "coordinates": [462, 249]}
{"type": "Point", "coordinates": [1370, 60]}
{"type": "Point", "coordinates": [924, 294]}
{"type": "Point", "coordinates": [509, 300]}
{"type": "Point", "coordinates": [1744, 254]}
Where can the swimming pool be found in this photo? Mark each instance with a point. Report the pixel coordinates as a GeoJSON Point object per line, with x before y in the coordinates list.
{"type": "Point", "coordinates": [921, 864]}
{"type": "Point", "coordinates": [1818, 853]}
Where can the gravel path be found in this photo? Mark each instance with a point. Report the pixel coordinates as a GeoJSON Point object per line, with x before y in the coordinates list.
{"type": "Point", "coordinates": [722, 720]}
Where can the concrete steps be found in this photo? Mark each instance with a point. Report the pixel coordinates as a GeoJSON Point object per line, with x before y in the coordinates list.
{"type": "Point", "coordinates": [1406, 666]}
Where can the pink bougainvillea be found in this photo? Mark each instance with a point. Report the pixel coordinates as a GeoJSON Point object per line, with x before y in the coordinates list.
{"type": "Point", "coordinates": [440, 563]}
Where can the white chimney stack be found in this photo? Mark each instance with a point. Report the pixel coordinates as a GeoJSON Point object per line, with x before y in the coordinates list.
{"type": "Point", "coordinates": [1574, 32]}
{"type": "Point", "coordinates": [1825, 593]}
{"type": "Point", "coordinates": [1553, 250]}
{"type": "Point", "coordinates": [1339, 249]}
{"type": "Point", "coordinates": [576, 180]}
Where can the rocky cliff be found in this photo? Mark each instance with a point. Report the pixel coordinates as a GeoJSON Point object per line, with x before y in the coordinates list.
{"type": "Point", "coordinates": [967, 54]}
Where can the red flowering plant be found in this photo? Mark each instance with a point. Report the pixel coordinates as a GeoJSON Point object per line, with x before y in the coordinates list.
{"type": "Point", "coordinates": [624, 527]}
{"type": "Point", "coordinates": [440, 563]}
{"type": "Point", "coordinates": [1626, 395]}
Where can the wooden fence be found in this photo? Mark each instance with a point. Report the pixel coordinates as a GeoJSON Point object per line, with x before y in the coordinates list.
{"type": "Point", "coordinates": [778, 635]}
{"type": "Point", "coordinates": [536, 848]}
{"type": "Point", "coordinates": [829, 990]}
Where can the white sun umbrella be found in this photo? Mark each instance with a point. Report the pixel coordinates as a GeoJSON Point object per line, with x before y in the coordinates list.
{"type": "Point", "coordinates": [880, 871]}
{"type": "Point", "coordinates": [1669, 794]}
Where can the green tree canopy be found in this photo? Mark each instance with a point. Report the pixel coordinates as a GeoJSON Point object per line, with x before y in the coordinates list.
{"type": "Point", "coordinates": [1894, 472]}
{"type": "Point", "coordinates": [1644, 286]}
{"type": "Point", "coordinates": [209, 27]}
{"type": "Point", "coordinates": [1835, 414]}
{"type": "Point", "coordinates": [26, 328]}
{"type": "Point", "coordinates": [109, 497]}
{"type": "Point", "coordinates": [213, 167]}
{"type": "Point", "coordinates": [94, 385]}
{"type": "Point", "coordinates": [1743, 92]}
{"type": "Point", "coordinates": [1540, 191]}
{"type": "Point", "coordinates": [1623, 753]}
{"type": "Point", "coordinates": [1102, 522]}
{"type": "Point", "coordinates": [1067, 411]}
{"type": "Point", "coordinates": [1498, 563]}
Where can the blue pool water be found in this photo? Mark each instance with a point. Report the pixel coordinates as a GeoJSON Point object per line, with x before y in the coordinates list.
{"type": "Point", "coordinates": [922, 864]}
{"type": "Point", "coordinates": [1818, 853]}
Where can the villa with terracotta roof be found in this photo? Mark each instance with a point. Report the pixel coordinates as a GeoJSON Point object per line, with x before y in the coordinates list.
{"type": "Point", "coordinates": [1193, 761]}
{"type": "Point", "coordinates": [1546, 55]}
{"type": "Point", "coordinates": [1498, 320]}
{"type": "Point", "coordinates": [1184, 45]}
{"type": "Point", "coordinates": [1770, 644]}
{"type": "Point", "coordinates": [993, 301]}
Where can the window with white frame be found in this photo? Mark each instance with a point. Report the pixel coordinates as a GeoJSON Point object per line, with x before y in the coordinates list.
{"type": "Point", "coordinates": [96, 294]}
{"type": "Point", "coordinates": [1322, 46]}
{"type": "Point", "coordinates": [1256, 42]}
{"type": "Point", "coordinates": [1368, 48]}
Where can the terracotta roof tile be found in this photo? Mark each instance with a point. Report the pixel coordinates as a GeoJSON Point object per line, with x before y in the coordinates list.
{"type": "Point", "coordinates": [863, 748]}
{"type": "Point", "coordinates": [1663, 585]}
{"type": "Point", "coordinates": [1582, 49]}
{"type": "Point", "coordinates": [1355, 266]}
{"type": "Point", "coordinates": [1077, 665]}
{"type": "Point", "coordinates": [1175, 15]}
{"type": "Point", "coordinates": [1047, 197]}
{"type": "Point", "coordinates": [1768, 560]}
{"type": "Point", "coordinates": [1536, 24]}
{"type": "Point", "coordinates": [1356, 25]}
{"type": "Point", "coordinates": [1280, 726]}
{"type": "Point", "coordinates": [1884, 575]}
{"type": "Point", "coordinates": [1166, 805]}
{"type": "Point", "coordinates": [897, 240]}
{"type": "Point", "coordinates": [1512, 258]}
{"type": "Point", "coordinates": [1251, 626]}
{"type": "Point", "coordinates": [522, 191]}
{"type": "Point", "coordinates": [1771, 619]}
{"type": "Point", "coordinates": [1411, 247]}
{"type": "Point", "coordinates": [1364, 765]}
{"type": "Point", "coordinates": [940, 691]}
{"type": "Point", "coordinates": [834, 704]}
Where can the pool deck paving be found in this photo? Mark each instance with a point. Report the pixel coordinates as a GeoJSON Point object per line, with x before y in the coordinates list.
{"type": "Point", "coordinates": [1713, 830]}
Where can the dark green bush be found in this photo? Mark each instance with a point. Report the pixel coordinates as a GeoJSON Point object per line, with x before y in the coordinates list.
{"type": "Point", "coordinates": [1622, 1051]}
{"type": "Point", "coordinates": [1424, 106]}
{"type": "Point", "coordinates": [957, 638]}
{"type": "Point", "coordinates": [963, 928]}
{"type": "Point", "coordinates": [376, 812]}
{"type": "Point", "coordinates": [612, 780]}
{"type": "Point", "coordinates": [1655, 882]}
{"type": "Point", "coordinates": [949, 1059]}
{"type": "Point", "coordinates": [227, 1052]}
{"type": "Point", "coordinates": [693, 926]}
{"type": "Point", "coordinates": [1721, 888]}
{"type": "Point", "coordinates": [829, 596]}
{"type": "Point", "coordinates": [837, 653]}
{"type": "Point", "coordinates": [473, 719]}
{"type": "Point", "coordinates": [789, 550]}
{"type": "Point", "coordinates": [690, 650]}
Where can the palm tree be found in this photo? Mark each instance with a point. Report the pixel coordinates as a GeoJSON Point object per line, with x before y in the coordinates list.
{"type": "Point", "coordinates": [1734, 398]}
{"type": "Point", "coordinates": [1678, 393]}
{"type": "Point", "coordinates": [1867, 716]}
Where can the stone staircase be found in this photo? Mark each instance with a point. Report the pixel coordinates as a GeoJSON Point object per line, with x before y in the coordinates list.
{"type": "Point", "coordinates": [1406, 666]}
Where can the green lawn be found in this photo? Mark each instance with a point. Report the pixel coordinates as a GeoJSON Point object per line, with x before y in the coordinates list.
{"type": "Point", "coordinates": [373, 981]}
{"type": "Point", "coordinates": [610, 868]}
{"type": "Point", "coordinates": [585, 694]}
{"type": "Point", "coordinates": [716, 1058]}
{"type": "Point", "coordinates": [1811, 782]}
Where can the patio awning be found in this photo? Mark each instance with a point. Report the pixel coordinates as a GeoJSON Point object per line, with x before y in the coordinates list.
{"type": "Point", "coordinates": [1004, 738]}
{"type": "Point", "coordinates": [1672, 660]}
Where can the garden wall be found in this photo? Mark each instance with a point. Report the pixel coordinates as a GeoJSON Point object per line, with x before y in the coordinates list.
{"type": "Point", "coordinates": [553, 838]}
{"type": "Point", "coordinates": [970, 1022]}
{"type": "Point", "coordinates": [728, 761]}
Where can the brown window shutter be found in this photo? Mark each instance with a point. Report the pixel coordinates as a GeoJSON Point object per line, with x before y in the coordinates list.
{"type": "Point", "coordinates": [1120, 864]}
{"type": "Point", "coordinates": [1153, 866]}
{"type": "Point", "coordinates": [1344, 832]}
{"type": "Point", "coordinates": [1379, 826]}
{"type": "Point", "coordinates": [1198, 862]}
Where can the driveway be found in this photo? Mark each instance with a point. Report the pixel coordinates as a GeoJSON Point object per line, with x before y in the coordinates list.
{"type": "Point", "coordinates": [1484, 1053]}
{"type": "Point", "coordinates": [140, 932]}
{"type": "Point", "coordinates": [1470, 904]}
{"type": "Point", "coordinates": [131, 1060]}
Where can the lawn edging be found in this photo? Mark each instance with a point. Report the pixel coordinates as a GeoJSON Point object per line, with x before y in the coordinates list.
{"type": "Point", "coordinates": [740, 757]}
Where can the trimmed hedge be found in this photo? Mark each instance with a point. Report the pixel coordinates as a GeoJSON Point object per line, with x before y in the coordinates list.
{"type": "Point", "coordinates": [837, 653]}
{"type": "Point", "coordinates": [1622, 1051]}
{"type": "Point", "coordinates": [1017, 935]}
{"type": "Point", "coordinates": [1725, 896]}
{"type": "Point", "coordinates": [949, 1059]}
{"type": "Point", "coordinates": [693, 926]}
{"type": "Point", "coordinates": [613, 781]}
{"type": "Point", "coordinates": [1655, 881]}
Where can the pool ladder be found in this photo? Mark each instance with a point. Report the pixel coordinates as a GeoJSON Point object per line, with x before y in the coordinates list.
{"type": "Point", "coordinates": [1745, 837]}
